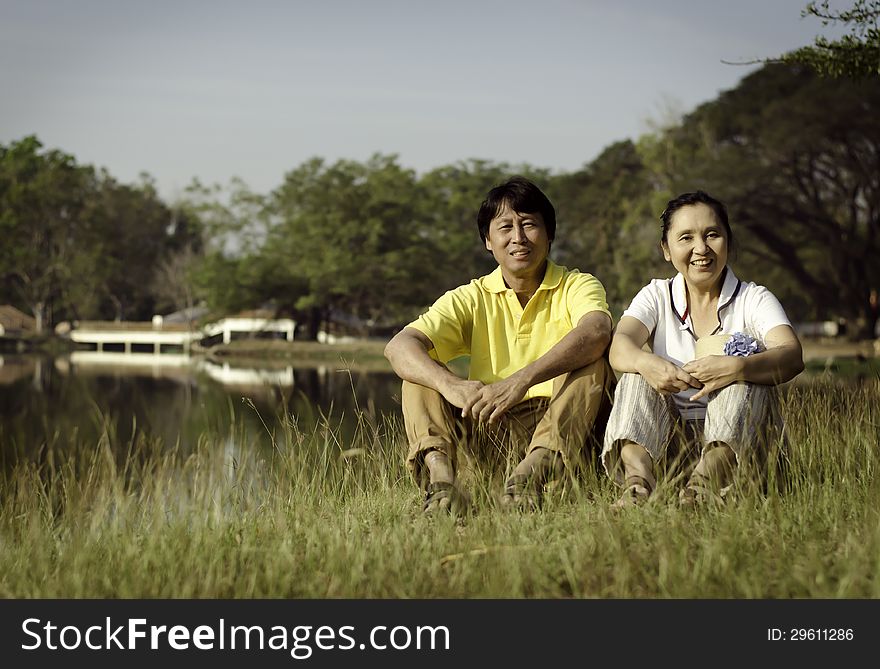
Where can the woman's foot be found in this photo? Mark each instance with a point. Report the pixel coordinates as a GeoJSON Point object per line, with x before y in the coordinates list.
{"type": "Point", "coordinates": [696, 492]}
{"type": "Point", "coordinates": [636, 491]}
{"type": "Point", "coordinates": [639, 470]}
{"type": "Point", "coordinates": [713, 473]}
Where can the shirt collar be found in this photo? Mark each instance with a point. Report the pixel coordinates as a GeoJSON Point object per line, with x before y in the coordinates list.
{"type": "Point", "coordinates": [494, 282]}
{"type": "Point", "coordinates": [729, 290]}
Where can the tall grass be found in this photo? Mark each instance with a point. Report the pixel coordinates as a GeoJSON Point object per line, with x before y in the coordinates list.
{"type": "Point", "coordinates": [319, 515]}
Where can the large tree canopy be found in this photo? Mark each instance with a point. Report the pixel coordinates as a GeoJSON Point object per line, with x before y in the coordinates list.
{"type": "Point", "coordinates": [49, 240]}
{"type": "Point", "coordinates": [797, 159]}
{"type": "Point", "coordinates": [353, 236]}
{"type": "Point", "coordinates": [77, 244]}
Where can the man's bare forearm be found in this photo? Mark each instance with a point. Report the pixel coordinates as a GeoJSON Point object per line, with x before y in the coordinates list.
{"type": "Point", "coordinates": [408, 354]}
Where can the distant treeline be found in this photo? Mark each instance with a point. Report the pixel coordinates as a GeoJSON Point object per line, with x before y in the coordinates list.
{"type": "Point", "coordinates": [795, 157]}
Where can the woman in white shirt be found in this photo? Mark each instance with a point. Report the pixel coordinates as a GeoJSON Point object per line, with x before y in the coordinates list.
{"type": "Point", "coordinates": [724, 402]}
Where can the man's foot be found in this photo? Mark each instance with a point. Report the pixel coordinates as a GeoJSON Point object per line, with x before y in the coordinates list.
{"type": "Point", "coordinates": [443, 497]}
{"type": "Point", "coordinates": [637, 490]}
{"type": "Point", "coordinates": [522, 493]}
{"type": "Point", "coordinates": [524, 490]}
{"type": "Point", "coordinates": [441, 494]}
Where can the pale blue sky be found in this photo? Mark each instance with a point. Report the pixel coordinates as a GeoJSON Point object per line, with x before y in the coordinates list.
{"type": "Point", "coordinates": [185, 88]}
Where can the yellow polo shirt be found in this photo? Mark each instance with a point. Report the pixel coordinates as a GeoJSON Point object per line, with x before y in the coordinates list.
{"type": "Point", "coordinates": [484, 319]}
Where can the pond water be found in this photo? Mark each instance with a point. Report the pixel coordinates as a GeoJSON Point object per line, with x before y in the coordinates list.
{"type": "Point", "coordinates": [58, 400]}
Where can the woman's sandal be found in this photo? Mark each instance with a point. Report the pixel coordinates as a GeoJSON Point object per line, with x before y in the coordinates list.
{"type": "Point", "coordinates": [437, 492]}
{"type": "Point", "coordinates": [698, 491]}
{"type": "Point", "coordinates": [636, 491]}
{"type": "Point", "coordinates": [521, 493]}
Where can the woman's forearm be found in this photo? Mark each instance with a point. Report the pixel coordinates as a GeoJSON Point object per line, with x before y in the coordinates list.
{"type": "Point", "coordinates": [773, 366]}
{"type": "Point", "coordinates": [625, 356]}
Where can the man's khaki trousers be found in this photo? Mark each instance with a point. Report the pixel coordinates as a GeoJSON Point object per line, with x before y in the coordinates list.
{"type": "Point", "coordinates": [571, 422]}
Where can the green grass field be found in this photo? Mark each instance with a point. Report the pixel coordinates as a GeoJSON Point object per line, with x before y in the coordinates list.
{"type": "Point", "coordinates": [322, 516]}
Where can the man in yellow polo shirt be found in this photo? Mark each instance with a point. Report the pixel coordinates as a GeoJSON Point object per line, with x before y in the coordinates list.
{"type": "Point", "coordinates": [539, 385]}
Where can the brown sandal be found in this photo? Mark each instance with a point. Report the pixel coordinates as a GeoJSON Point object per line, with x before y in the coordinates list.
{"type": "Point", "coordinates": [521, 493]}
{"type": "Point", "coordinates": [698, 491]}
{"type": "Point", "coordinates": [436, 492]}
{"type": "Point", "coordinates": [636, 491]}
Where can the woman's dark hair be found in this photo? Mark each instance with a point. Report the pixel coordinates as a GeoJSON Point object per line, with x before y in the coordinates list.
{"type": "Point", "coordinates": [698, 197]}
{"type": "Point", "coordinates": [523, 197]}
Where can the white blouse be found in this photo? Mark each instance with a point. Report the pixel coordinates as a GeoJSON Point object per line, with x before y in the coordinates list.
{"type": "Point", "coordinates": [661, 307]}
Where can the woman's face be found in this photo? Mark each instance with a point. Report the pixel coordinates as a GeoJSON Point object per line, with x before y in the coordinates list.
{"type": "Point", "coordinates": [696, 245]}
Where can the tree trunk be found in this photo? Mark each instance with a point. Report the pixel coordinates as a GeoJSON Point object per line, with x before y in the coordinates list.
{"type": "Point", "coordinates": [314, 323]}
{"type": "Point", "coordinates": [39, 312]}
{"type": "Point", "coordinates": [863, 328]}
{"type": "Point", "coordinates": [117, 304]}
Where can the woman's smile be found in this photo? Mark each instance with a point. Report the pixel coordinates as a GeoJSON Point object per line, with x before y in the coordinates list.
{"type": "Point", "coordinates": [697, 244]}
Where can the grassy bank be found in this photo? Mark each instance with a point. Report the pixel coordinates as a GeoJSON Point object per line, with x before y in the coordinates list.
{"type": "Point", "coordinates": [365, 354]}
{"type": "Point", "coordinates": [318, 517]}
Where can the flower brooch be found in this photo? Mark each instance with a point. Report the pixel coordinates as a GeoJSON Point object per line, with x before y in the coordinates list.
{"type": "Point", "coordinates": [741, 344]}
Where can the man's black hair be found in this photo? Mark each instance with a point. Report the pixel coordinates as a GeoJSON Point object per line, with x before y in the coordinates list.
{"type": "Point", "coordinates": [523, 197]}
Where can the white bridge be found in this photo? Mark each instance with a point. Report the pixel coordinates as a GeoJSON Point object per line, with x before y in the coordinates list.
{"type": "Point", "coordinates": [165, 338]}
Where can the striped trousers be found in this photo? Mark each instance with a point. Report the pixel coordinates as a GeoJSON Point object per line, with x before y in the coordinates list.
{"type": "Point", "coordinates": [745, 416]}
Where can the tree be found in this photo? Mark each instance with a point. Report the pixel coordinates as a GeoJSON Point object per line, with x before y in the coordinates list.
{"type": "Point", "coordinates": [231, 283]}
{"type": "Point", "coordinates": [606, 223]}
{"type": "Point", "coordinates": [855, 55]}
{"type": "Point", "coordinates": [173, 286]}
{"type": "Point", "coordinates": [138, 232]}
{"type": "Point", "coordinates": [235, 270]}
{"type": "Point", "coordinates": [796, 158]}
{"type": "Point", "coordinates": [351, 233]}
{"type": "Point", "coordinates": [78, 244]}
{"type": "Point", "coordinates": [47, 238]}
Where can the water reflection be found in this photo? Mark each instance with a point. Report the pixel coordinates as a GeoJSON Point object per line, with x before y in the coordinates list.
{"type": "Point", "coordinates": [175, 399]}
{"type": "Point", "coordinates": [15, 368]}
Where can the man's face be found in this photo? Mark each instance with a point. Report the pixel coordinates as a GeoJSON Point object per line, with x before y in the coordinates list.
{"type": "Point", "coordinates": [519, 242]}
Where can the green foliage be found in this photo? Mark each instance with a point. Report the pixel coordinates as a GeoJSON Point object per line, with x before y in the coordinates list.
{"type": "Point", "coordinates": [606, 223]}
{"type": "Point", "coordinates": [238, 269]}
{"type": "Point", "coordinates": [855, 55]}
{"type": "Point", "coordinates": [796, 158]}
{"type": "Point", "coordinates": [234, 283]}
{"type": "Point", "coordinates": [44, 198]}
{"type": "Point", "coordinates": [77, 244]}
{"type": "Point", "coordinates": [355, 236]}
{"type": "Point", "coordinates": [141, 235]}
